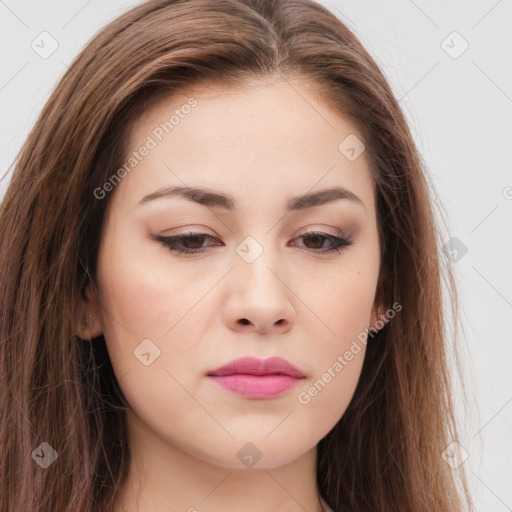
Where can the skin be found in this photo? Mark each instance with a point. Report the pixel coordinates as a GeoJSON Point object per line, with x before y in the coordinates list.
{"type": "Point", "coordinates": [262, 144]}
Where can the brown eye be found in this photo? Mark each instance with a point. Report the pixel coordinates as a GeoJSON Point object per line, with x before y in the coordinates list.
{"type": "Point", "coordinates": [191, 243]}
{"type": "Point", "coordinates": [318, 240]}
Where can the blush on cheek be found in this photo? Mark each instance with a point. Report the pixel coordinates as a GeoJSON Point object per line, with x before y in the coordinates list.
{"type": "Point", "coordinates": [350, 309]}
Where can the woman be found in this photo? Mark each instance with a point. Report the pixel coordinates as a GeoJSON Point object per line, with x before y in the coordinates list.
{"type": "Point", "coordinates": [221, 278]}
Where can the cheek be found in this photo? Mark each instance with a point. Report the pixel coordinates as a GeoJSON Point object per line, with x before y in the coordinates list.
{"type": "Point", "coordinates": [144, 297]}
{"type": "Point", "coordinates": [342, 304]}
{"type": "Point", "coordinates": [328, 394]}
{"type": "Point", "coordinates": [352, 302]}
{"type": "Point", "coordinates": [353, 293]}
{"type": "Point", "coordinates": [339, 351]}
{"type": "Point", "coordinates": [141, 291]}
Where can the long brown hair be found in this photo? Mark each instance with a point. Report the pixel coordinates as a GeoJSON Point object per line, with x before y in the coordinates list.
{"type": "Point", "coordinates": [385, 454]}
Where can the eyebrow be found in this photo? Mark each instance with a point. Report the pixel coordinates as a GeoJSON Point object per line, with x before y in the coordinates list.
{"type": "Point", "coordinates": [214, 199]}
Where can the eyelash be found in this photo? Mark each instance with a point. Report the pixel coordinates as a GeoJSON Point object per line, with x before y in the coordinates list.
{"type": "Point", "coordinates": [338, 243]}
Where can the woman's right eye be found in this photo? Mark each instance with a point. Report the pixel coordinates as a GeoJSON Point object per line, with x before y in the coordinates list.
{"type": "Point", "coordinates": [190, 243]}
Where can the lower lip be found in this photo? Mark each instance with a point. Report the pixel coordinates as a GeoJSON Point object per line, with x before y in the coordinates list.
{"type": "Point", "coordinates": [256, 386]}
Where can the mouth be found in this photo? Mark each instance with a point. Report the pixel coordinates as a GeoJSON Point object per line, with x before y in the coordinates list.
{"type": "Point", "coordinates": [255, 378]}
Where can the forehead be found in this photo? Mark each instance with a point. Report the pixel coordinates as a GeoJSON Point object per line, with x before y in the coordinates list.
{"type": "Point", "coordinates": [271, 134]}
{"type": "Point", "coordinates": [256, 107]}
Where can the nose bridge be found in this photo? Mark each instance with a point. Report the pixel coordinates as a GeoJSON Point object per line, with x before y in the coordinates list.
{"type": "Point", "coordinates": [256, 262]}
{"type": "Point", "coordinates": [258, 294]}
{"type": "Point", "coordinates": [259, 276]}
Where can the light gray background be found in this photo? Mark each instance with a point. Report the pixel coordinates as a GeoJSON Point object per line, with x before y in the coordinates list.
{"type": "Point", "coordinates": [460, 112]}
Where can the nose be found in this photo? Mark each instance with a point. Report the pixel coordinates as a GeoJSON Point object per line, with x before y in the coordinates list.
{"type": "Point", "coordinates": [258, 299]}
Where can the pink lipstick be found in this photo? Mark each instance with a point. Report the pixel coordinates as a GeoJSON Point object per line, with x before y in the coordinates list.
{"type": "Point", "coordinates": [257, 378]}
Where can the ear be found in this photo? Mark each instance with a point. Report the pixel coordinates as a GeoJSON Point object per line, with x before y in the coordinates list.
{"type": "Point", "coordinates": [91, 323]}
{"type": "Point", "coordinates": [378, 315]}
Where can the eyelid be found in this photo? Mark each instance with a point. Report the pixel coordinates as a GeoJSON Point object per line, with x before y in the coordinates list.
{"type": "Point", "coordinates": [322, 230]}
{"type": "Point", "coordinates": [189, 230]}
{"type": "Point", "coordinates": [309, 230]}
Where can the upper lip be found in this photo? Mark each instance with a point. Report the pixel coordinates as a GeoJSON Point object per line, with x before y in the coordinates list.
{"type": "Point", "coordinates": [255, 366]}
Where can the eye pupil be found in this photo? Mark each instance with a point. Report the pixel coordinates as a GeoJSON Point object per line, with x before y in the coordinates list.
{"type": "Point", "coordinates": [317, 238]}
{"type": "Point", "coordinates": [192, 239]}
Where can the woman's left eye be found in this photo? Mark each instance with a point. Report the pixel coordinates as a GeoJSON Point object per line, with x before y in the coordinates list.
{"type": "Point", "coordinates": [192, 243]}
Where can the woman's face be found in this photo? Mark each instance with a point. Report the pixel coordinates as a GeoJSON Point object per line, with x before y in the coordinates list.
{"type": "Point", "coordinates": [251, 283]}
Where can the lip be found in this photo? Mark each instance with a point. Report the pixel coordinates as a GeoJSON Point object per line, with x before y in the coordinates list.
{"type": "Point", "coordinates": [257, 378]}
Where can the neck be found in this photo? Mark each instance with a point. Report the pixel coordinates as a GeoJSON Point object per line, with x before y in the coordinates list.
{"type": "Point", "coordinates": [163, 477]}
